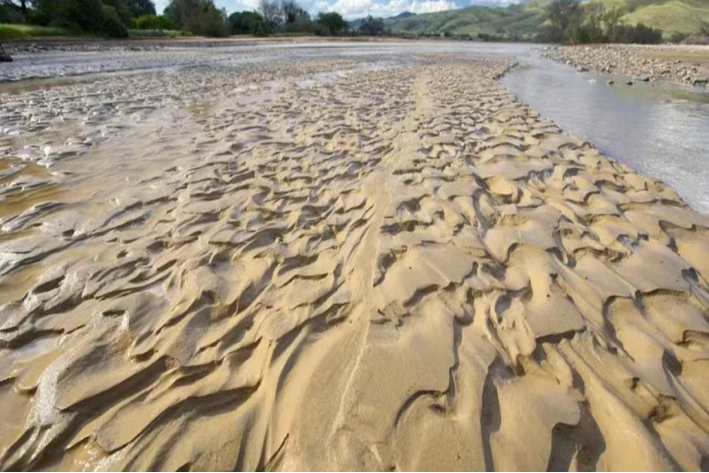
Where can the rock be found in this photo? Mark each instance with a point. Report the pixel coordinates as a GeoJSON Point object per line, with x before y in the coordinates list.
{"type": "Point", "coordinates": [5, 58]}
{"type": "Point", "coordinates": [581, 69]}
{"type": "Point", "coordinates": [630, 82]}
{"type": "Point", "coordinates": [642, 78]}
{"type": "Point", "coordinates": [610, 82]}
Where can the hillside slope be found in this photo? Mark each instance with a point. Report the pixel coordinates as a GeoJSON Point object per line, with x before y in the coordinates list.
{"type": "Point", "coordinates": [671, 16]}
{"type": "Point", "coordinates": [522, 20]}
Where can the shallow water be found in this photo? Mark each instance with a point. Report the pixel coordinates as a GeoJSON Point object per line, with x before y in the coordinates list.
{"type": "Point", "coordinates": [661, 130]}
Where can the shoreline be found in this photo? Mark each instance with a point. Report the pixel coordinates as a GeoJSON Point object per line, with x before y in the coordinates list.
{"type": "Point", "coordinates": [339, 263]}
{"type": "Point", "coordinates": [685, 64]}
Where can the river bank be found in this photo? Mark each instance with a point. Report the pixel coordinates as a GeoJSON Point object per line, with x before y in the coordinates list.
{"type": "Point", "coordinates": [680, 64]}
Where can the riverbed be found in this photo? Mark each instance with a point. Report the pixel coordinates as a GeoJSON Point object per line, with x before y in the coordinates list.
{"type": "Point", "coordinates": [345, 256]}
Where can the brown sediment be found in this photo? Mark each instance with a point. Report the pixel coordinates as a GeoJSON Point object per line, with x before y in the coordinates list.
{"type": "Point", "coordinates": [397, 267]}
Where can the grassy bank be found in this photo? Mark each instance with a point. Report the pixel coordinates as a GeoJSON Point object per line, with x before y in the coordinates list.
{"type": "Point", "coordinates": [158, 33]}
{"type": "Point", "coordinates": [31, 31]}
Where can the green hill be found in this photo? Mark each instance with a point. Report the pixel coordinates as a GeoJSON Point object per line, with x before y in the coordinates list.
{"type": "Point", "coordinates": [520, 20]}
{"type": "Point", "coordinates": [671, 16]}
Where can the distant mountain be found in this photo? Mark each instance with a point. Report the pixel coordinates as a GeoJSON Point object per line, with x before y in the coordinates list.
{"type": "Point", "coordinates": [523, 19]}
{"type": "Point", "coordinates": [354, 24]}
{"type": "Point", "coordinates": [517, 20]}
{"type": "Point", "coordinates": [401, 16]}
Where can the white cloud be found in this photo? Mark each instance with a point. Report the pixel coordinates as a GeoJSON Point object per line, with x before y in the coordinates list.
{"type": "Point", "coordinates": [230, 5]}
{"type": "Point", "coordinates": [359, 8]}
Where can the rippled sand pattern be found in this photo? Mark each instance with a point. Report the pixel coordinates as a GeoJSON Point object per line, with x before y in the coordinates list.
{"type": "Point", "coordinates": [348, 264]}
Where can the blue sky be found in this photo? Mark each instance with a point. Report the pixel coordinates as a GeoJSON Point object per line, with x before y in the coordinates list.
{"type": "Point", "coordinates": [351, 9]}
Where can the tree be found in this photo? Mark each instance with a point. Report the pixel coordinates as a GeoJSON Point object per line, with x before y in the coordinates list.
{"type": "Point", "coordinates": [200, 17]}
{"type": "Point", "coordinates": [332, 22]}
{"type": "Point", "coordinates": [112, 26]}
{"type": "Point", "coordinates": [140, 7]}
{"type": "Point", "coordinates": [291, 12]}
{"type": "Point", "coordinates": [121, 10]}
{"type": "Point", "coordinates": [563, 14]}
{"type": "Point", "coordinates": [271, 12]}
{"type": "Point", "coordinates": [17, 5]}
{"type": "Point", "coordinates": [246, 22]}
{"type": "Point", "coordinates": [592, 28]}
{"type": "Point", "coordinates": [86, 14]}
{"type": "Point", "coordinates": [612, 20]}
{"type": "Point", "coordinates": [372, 26]}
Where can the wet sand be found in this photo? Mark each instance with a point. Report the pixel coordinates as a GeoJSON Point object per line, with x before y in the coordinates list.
{"type": "Point", "coordinates": [367, 263]}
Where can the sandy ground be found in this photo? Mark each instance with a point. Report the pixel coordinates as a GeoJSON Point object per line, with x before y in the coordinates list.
{"type": "Point", "coordinates": [370, 263]}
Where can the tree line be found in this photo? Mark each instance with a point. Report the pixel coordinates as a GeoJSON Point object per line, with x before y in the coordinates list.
{"type": "Point", "coordinates": [114, 18]}
{"type": "Point", "coordinates": [568, 21]}
{"type": "Point", "coordinates": [285, 16]}
{"type": "Point", "coordinates": [571, 21]}
{"type": "Point", "coordinates": [110, 18]}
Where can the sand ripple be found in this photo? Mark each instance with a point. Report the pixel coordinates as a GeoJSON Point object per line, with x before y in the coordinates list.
{"type": "Point", "coordinates": [329, 265]}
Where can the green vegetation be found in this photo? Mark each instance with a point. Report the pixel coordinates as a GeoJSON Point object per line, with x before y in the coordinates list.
{"type": "Point", "coordinates": [672, 17]}
{"type": "Point", "coordinates": [524, 21]}
{"type": "Point", "coordinates": [18, 31]}
{"type": "Point", "coordinates": [513, 22]}
{"type": "Point", "coordinates": [247, 22]}
{"type": "Point", "coordinates": [570, 21]}
{"type": "Point", "coordinates": [372, 26]}
{"type": "Point", "coordinates": [331, 24]}
{"type": "Point", "coordinates": [200, 17]}
{"type": "Point", "coordinates": [285, 18]}
{"type": "Point", "coordinates": [110, 18]}
{"type": "Point", "coordinates": [147, 33]}
{"type": "Point", "coordinates": [153, 22]}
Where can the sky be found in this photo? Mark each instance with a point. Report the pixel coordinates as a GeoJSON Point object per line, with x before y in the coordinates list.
{"type": "Point", "coordinates": [352, 9]}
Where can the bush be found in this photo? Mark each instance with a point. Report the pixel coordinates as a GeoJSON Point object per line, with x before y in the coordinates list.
{"type": "Point", "coordinates": [200, 17]}
{"type": "Point", "coordinates": [113, 27]}
{"type": "Point", "coordinates": [704, 28]}
{"type": "Point", "coordinates": [86, 14]}
{"type": "Point", "coordinates": [35, 17]}
{"type": "Point", "coordinates": [321, 30]}
{"type": "Point", "coordinates": [638, 34]}
{"type": "Point", "coordinates": [571, 21]}
{"type": "Point", "coordinates": [298, 26]}
{"type": "Point", "coordinates": [678, 37]}
{"type": "Point", "coordinates": [372, 26]}
{"type": "Point", "coordinates": [331, 23]}
{"type": "Point", "coordinates": [122, 10]}
{"type": "Point", "coordinates": [158, 33]}
{"type": "Point", "coordinates": [29, 31]}
{"type": "Point", "coordinates": [10, 15]}
{"type": "Point", "coordinates": [246, 22]}
{"type": "Point", "coordinates": [153, 22]}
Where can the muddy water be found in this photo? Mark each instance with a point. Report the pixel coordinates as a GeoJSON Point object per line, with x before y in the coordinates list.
{"type": "Point", "coordinates": [660, 130]}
